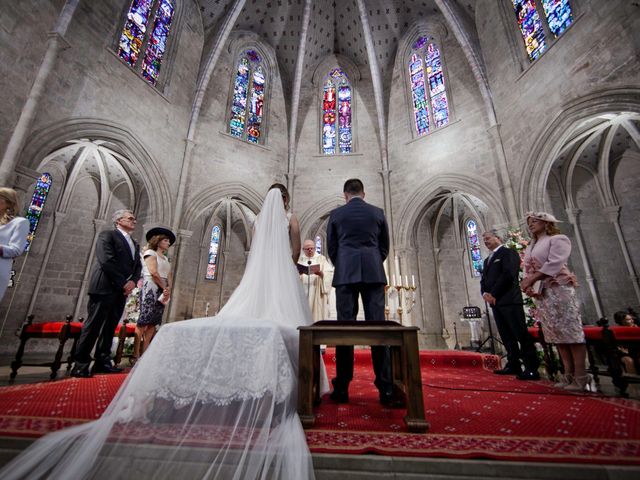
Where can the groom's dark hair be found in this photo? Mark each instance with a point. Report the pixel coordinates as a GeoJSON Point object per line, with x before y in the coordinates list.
{"type": "Point", "coordinates": [353, 186]}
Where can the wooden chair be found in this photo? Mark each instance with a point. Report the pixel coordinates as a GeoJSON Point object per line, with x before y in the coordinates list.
{"type": "Point", "coordinates": [61, 331]}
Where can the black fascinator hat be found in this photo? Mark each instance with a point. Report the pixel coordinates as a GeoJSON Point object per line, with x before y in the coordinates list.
{"type": "Point", "coordinates": [161, 231]}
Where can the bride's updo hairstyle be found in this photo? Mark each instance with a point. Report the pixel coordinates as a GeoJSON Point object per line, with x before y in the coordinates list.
{"type": "Point", "coordinates": [285, 193]}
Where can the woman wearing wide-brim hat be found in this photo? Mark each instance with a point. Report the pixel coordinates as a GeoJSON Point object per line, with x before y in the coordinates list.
{"type": "Point", "coordinates": [156, 287]}
{"type": "Point", "coordinates": [553, 287]}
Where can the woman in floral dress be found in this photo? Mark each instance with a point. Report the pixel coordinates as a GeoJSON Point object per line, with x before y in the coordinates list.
{"type": "Point", "coordinates": [156, 287]}
{"type": "Point", "coordinates": [548, 280]}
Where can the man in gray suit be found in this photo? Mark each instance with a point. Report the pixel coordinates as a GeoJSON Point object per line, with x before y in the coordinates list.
{"type": "Point", "coordinates": [358, 243]}
{"type": "Point", "coordinates": [114, 276]}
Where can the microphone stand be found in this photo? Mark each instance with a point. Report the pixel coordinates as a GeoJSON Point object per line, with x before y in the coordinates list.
{"type": "Point", "coordinates": [491, 339]}
{"type": "Point", "coordinates": [308, 279]}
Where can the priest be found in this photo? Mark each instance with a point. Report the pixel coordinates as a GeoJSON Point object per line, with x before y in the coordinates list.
{"type": "Point", "coordinates": [315, 273]}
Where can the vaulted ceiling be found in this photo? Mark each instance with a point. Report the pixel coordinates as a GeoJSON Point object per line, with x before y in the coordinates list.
{"type": "Point", "coordinates": [335, 26]}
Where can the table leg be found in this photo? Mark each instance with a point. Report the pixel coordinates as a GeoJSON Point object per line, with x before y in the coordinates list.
{"type": "Point", "coordinates": [415, 418]}
{"type": "Point", "coordinates": [305, 379]}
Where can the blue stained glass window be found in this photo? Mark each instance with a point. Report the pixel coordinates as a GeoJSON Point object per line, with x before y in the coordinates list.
{"type": "Point", "coordinates": [337, 114]}
{"type": "Point", "coordinates": [318, 244]}
{"type": "Point", "coordinates": [559, 15]}
{"type": "Point", "coordinates": [530, 27]}
{"type": "Point", "coordinates": [135, 31]}
{"type": "Point", "coordinates": [247, 103]}
{"type": "Point", "coordinates": [428, 89]}
{"type": "Point", "coordinates": [38, 199]}
{"type": "Point", "coordinates": [474, 247]}
{"type": "Point", "coordinates": [212, 259]}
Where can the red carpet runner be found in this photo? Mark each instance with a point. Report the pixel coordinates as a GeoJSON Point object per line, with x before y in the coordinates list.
{"type": "Point", "coordinates": [473, 414]}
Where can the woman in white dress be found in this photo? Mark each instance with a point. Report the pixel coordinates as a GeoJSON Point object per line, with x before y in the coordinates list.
{"type": "Point", "coordinates": [211, 397]}
{"type": "Point", "coordinates": [13, 235]}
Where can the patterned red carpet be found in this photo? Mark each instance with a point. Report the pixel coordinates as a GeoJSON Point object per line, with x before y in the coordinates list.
{"type": "Point", "coordinates": [473, 414]}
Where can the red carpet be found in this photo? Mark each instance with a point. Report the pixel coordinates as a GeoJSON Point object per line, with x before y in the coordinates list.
{"type": "Point", "coordinates": [473, 414]}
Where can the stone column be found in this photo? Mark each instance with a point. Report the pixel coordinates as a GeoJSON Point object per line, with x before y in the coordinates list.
{"type": "Point", "coordinates": [55, 44]}
{"type": "Point", "coordinates": [503, 176]}
{"type": "Point", "coordinates": [98, 226]}
{"type": "Point", "coordinates": [58, 218]}
{"type": "Point", "coordinates": [572, 214]}
{"type": "Point", "coordinates": [613, 212]}
{"type": "Point", "coordinates": [181, 236]}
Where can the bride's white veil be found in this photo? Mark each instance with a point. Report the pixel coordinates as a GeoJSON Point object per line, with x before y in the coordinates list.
{"type": "Point", "coordinates": [212, 397]}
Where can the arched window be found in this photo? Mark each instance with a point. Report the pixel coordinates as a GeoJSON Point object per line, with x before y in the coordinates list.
{"type": "Point", "coordinates": [337, 135]}
{"type": "Point", "coordinates": [247, 103]}
{"type": "Point", "coordinates": [428, 89]}
{"type": "Point", "coordinates": [212, 257]}
{"type": "Point", "coordinates": [38, 199]}
{"type": "Point", "coordinates": [473, 242]}
{"type": "Point", "coordinates": [318, 244]}
{"type": "Point", "coordinates": [143, 42]}
{"type": "Point", "coordinates": [558, 16]}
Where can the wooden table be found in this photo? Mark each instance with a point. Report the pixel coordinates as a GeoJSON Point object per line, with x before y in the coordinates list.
{"type": "Point", "coordinates": [405, 363]}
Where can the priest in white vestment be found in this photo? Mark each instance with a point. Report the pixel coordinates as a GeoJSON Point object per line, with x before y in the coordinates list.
{"type": "Point", "coordinates": [316, 274]}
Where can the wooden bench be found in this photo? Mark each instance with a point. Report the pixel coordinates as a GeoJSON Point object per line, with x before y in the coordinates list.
{"type": "Point", "coordinates": [405, 362]}
{"type": "Point", "coordinates": [60, 331]}
{"type": "Point", "coordinates": [602, 351]}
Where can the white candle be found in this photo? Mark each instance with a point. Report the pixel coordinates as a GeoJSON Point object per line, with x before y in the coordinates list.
{"type": "Point", "coordinates": [406, 281]}
{"type": "Point", "coordinates": [413, 281]}
{"type": "Point", "coordinates": [393, 280]}
{"type": "Point", "coordinates": [397, 265]}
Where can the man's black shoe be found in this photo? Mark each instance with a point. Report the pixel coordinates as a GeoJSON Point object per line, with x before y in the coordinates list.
{"type": "Point", "coordinates": [507, 371]}
{"type": "Point", "coordinates": [528, 375]}
{"type": "Point", "coordinates": [106, 369]}
{"type": "Point", "coordinates": [392, 401]}
{"type": "Point", "coordinates": [80, 373]}
{"type": "Point", "coordinates": [339, 397]}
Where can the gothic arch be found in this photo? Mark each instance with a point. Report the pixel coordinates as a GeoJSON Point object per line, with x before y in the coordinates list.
{"type": "Point", "coordinates": [559, 132]}
{"type": "Point", "coordinates": [320, 209]}
{"type": "Point", "coordinates": [52, 137]}
{"type": "Point", "coordinates": [413, 209]}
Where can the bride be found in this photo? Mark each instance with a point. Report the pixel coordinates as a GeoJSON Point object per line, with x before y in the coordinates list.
{"type": "Point", "coordinates": [212, 397]}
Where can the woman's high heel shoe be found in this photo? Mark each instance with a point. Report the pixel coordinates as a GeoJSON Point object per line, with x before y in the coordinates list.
{"type": "Point", "coordinates": [584, 383]}
{"type": "Point", "coordinates": [564, 379]}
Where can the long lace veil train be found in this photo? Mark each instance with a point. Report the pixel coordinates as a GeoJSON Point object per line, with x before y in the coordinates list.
{"type": "Point", "coordinates": [212, 397]}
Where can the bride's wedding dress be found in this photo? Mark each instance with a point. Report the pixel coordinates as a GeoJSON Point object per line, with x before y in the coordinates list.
{"type": "Point", "coordinates": [211, 397]}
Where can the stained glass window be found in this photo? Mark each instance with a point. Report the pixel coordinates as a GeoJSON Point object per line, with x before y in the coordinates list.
{"type": "Point", "coordinates": [474, 247]}
{"type": "Point", "coordinates": [530, 27]}
{"type": "Point", "coordinates": [318, 244]}
{"type": "Point", "coordinates": [34, 212]}
{"type": "Point", "coordinates": [247, 103]}
{"type": "Point", "coordinates": [559, 15]}
{"type": "Point", "coordinates": [430, 105]}
{"type": "Point", "coordinates": [139, 41]}
{"type": "Point", "coordinates": [212, 258]}
{"type": "Point", "coordinates": [337, 135]}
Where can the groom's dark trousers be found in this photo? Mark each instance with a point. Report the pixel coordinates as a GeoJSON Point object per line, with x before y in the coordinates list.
{"type": "Point", "coordinates": [358, 243]}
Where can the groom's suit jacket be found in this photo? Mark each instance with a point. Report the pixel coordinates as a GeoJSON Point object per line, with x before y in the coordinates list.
{"type": "Point", "coordinates": [115, 265]}
{"type": "Point", "coordinates": [500, 277]}
{"type": "Point", "coordinates": [357, 243]}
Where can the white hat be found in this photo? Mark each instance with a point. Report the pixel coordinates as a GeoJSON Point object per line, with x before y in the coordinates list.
{"type": "Point", "coordinates": [544, 216]}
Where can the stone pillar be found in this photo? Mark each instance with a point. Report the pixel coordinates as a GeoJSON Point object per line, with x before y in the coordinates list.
{"type": "Point", "coordinates": [502, 172]}
{"type": "Point", "coordinates": [55, 44]}
{"type": "Point", "coordinates": [613, 212]}
{"type": "Point", "coordinates": [58, 218]}
{"type": "Point", "coordinates": [181, 235]}
{"type": "Point", "coordinates": [98, 226]}
{"type": "Point", "coordinates": [572, 214]}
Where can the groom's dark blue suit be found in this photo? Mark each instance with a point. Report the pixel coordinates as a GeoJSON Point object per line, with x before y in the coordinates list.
{"type": "Point", "coordinates": [358, 243]}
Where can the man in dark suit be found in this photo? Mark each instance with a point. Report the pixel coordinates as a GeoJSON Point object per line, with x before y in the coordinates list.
{"type": "Point", "coordinates": [358, 243]}
{"type": "Point", "coordinates": [500, 289]}
{"type": "Point", "coordinates": [114, 276]}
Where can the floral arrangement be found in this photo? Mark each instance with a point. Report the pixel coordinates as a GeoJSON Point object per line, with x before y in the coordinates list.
{"type": "Point", "coordinates": [132, 307]}
{"type": "Point", "coordinates": [515, 239]}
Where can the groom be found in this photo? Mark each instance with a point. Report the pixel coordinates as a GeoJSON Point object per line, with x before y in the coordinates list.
{"type": "Point", "coordinates": [358, 243]}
